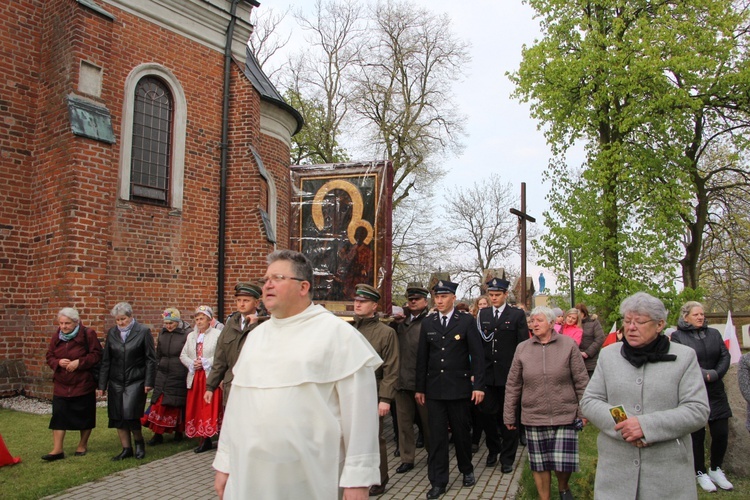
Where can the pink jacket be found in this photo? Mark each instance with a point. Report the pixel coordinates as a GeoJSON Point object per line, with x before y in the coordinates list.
{"type": "Point", "coordinates": [573, 332]}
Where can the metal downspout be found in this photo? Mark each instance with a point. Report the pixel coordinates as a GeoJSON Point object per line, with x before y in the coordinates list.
{"type": "Point", "coordinates": [224, 153]}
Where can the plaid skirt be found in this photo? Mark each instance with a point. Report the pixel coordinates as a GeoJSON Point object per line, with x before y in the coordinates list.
{"type": "Point", "coordinates": [553, 448]}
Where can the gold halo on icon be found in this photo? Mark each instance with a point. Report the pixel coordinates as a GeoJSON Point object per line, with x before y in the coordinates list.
{"type": "Point", "coordinates": [357, 208]}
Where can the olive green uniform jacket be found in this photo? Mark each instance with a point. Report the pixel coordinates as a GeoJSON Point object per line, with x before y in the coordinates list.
{"type": "Point", "coordinates": [383, 339]}
{"type": "Point", "coordinates": [228, 349]}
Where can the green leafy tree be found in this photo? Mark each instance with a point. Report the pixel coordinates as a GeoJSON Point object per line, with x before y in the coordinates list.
{"type": "Point", "coordinates": [309, 146]}
{"type": "Point", "coordinates": [647, 86]}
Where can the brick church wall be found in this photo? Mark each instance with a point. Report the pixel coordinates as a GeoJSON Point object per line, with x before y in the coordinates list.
{"type": "Point", "coordinates": [66, 239]}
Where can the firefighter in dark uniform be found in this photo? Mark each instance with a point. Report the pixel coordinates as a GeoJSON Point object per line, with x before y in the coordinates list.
{"type": "Point", "coordinates": [450, 353]}
{"type": "Point", "coordinates": [232, 338]}
{"type": "Point", "coordinates": [502, 328]}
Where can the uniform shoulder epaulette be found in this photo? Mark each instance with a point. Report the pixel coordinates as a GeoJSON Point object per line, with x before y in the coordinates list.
{"type": "Point", "coordinates": [230, 317]}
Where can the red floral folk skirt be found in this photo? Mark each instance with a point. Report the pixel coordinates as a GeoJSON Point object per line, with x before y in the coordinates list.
{"type": "Point", "coordinates": [164, 418]}
{"type": "Point", "coordinates": [201, 419]}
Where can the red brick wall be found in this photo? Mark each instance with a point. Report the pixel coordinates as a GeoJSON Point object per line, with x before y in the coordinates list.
{"type": "Point", "coordinates": [65, 238]}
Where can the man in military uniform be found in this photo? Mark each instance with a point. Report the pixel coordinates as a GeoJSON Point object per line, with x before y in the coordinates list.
{"type": "Point", "coordinates": [383, 339]}
{"type": "Point", "coordinates": [502, 328]}
{"type": "Point", "coordinates": [450, 353]}
{"type": "Point", "coordinates": [232, 338]}
{"type": "Point", "coordinates": [406, 406]}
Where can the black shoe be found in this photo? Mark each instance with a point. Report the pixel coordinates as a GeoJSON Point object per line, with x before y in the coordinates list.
{"type": "Point", "coordinates": [507, 469]}
{"type": "Point", "coordinates": [140, 450]}
{"type": "Point", "coordinates": [420, 440]}
{"type": "Point", "coordinates": [376, 490]}
{"type": "Point", "coordinates": [157, 439]}
{"type": "Point", "coordinates": [125, 453]}
{"type": "Point", "coordinates": [522, 439]}
{"type": "Point", "coordinates": [397, 453]}
{"type": "Point", "coordinates": [474, 448]}
{"type": "Point", "coordinates": [177, 437]}
{"type": "Point", "coordinates": [492, 460]}
{"type": "Point", "coordinates": [469, 479]}
{"type": "Point", "coordinates": [81, 453]}
{"type": "Point", "coordinates": [51, 457]}
{"type": "Point", "coordinates": [404, 468]}
{"type": "Point", "coordinates": [205, 445]}
{"type": "Point", "coordinates": [436, 491]}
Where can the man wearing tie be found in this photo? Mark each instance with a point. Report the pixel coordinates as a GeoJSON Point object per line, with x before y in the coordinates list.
{"type": "Point", "coordinates": [232, 339]}
{"type": "Point", "coordinates": [502, 328]}
{"type": "Point", "coordinates": [449, 354]}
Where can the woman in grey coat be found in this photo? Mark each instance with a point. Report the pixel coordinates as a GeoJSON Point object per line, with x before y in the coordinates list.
{"type": "Point", "coordinates": [659, 386]}
{"type": "Point", "coordinates": [127, 373]}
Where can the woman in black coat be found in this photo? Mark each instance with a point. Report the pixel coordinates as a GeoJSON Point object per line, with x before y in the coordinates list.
{"type": "Point", "coordinates": [170, 390]}
{"type": "Point", "coordinates": [713, 358]}
{"type": "Point", "coordinates": [127, 374]}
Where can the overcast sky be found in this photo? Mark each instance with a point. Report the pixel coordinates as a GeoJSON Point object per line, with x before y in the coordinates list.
{"type": "Point", "coordinates": [502, 137]}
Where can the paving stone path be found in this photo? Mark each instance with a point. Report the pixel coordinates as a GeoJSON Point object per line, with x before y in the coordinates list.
{"type": "Point", "coordinates": [189, 476]}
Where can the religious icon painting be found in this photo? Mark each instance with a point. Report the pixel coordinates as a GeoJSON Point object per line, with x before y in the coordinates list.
{"type": "Point", "coordinates": [342, 223]}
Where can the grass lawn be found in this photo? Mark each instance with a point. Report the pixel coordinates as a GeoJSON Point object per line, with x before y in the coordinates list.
{"type": "Point", "coordinates": [29, 437]}
{"type": "Point", "coordinates": [582, 483]}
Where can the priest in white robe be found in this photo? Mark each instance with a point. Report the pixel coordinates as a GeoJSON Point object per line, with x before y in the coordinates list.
{"type": "Point", "coordinates": [301, 420]}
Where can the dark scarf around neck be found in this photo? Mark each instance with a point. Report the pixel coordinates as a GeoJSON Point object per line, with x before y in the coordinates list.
{"type": "Point", "coordinates": [655, 352]}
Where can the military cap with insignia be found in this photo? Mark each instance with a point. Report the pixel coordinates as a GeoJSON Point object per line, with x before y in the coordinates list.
{"type": "Point", "coordinates": [247, 289]}
{"type": "Point", "coordinates": [416, 291]}
{"type": "Point", "coordinates": [497, 285]}
{"type": "Point", "coordinates": [443, 287]}
{"type": "Point", "coordinates": [366, 292]}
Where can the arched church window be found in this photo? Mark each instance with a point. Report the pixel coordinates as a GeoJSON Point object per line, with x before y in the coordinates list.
{"type": "Point", "coordinates": [151, 156]}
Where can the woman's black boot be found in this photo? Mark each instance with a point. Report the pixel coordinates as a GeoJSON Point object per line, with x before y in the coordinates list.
{"type": "Point", "coordinates": [157, 439]}
{"type": "Point", "coordinates": [204, 446]}
{"type": "Point", "coordinates": [125, 453]}
{"type": "Point", "coordinates": [140, 449]}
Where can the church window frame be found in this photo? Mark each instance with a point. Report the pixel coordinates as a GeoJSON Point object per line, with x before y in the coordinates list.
{"type": "Point", "coordinates": [131, 186]}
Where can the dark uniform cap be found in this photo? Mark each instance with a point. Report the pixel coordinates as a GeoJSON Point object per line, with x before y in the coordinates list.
{"type": "Point", "coordinates": [367, 292]}
{"type": "Point", "coordinates": [247, 289]}
{"type": "Point", "coordinates": [416, 290]}
{"type": "Point", "coordinates": [497, 285]}
{"type": "Point", "coordinates": [443, 287]}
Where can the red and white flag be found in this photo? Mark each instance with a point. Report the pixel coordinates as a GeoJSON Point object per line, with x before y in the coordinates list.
{"type": "Point", "coordinates": [611, 338]}
{"type": "Point", "coordinates": [730, 339]}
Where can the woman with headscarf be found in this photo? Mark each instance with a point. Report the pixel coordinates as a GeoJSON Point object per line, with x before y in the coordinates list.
{"type": "Point", "coordinates": [713, 358]}
{"type": "Point", "coordinates": [546, 380]}
{"type": "Point", "coordinates": [127, 375]}
{"type": "Point", "coordinates": [202, 420]}
{"type": "Point", "coordinates": [73, 352]}
{"type": "Point", "coordinates": [168, 399]}
{"type": "Point", "coordinates": [656, 385]}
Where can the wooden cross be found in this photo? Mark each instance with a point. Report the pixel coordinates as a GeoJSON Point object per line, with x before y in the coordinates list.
{"type": "Point", "coordinates": [522, 218]}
